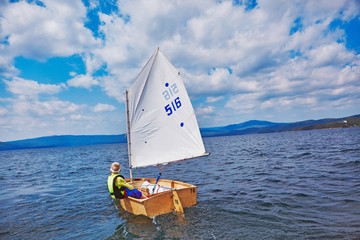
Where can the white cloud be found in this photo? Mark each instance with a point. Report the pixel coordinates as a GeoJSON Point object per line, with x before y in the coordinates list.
{"type": "Point", "coordinates": [113, 87]}
{"type": "Point", "coordinates": [85, 81]}
{"type": "Point", "coordinates": [92, 62]}
{"type": "Point", "coordinates": [214, 99]}
{"type": "Point", "coordinates": [219, 35]}
{"type": "Point", "coordinates": [244, 103]}
{"type": "Point", "coordinates": [30, 88]}
{"type": "Point", "coordinates": [29, 117]}
{"type": "Point", "coordinates": [283, 103]}
{"type": "Point", "coordinates": [204, 40]}
{"type": "Point", "coordinates": [330, 54]}
{"type": "Point", "coordinates": [7, 69]}
{"type": "Point", "coordinates": [350, 74]}
{"type": "Point", "coordinates": [204, 110]}
{"type": "Point", "coordinates": [103, 108]}
{"type": "Point", "coordinates": [223, 50]}
{"type": "Point", "coordinates": [72, 74]}
{"type": "Point", "coordinates": [44, 108]}
{"type": "Point", "coordinates": [40, 32]}
{"type": "Point", "coordinates": [26, 111]}
{"type": "Point", "coordinates": [3, 111]}
{"type": "Point", "coordinates": [79, 117]}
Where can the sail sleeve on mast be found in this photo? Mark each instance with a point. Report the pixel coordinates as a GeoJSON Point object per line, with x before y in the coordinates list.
{"type": "Point", "coordinates": [162, 122]}
{"type": "Point", "coordinates": [128, 132]}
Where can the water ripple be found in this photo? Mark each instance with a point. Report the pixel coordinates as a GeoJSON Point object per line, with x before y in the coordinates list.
{"type": "Point", "coordinates": [292, 185]}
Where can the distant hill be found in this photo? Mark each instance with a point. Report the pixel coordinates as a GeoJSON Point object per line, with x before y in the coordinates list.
{"type": "Point", "coordinates": [353, 121]}
{"type": "Point", "coordinates": [253, 127]}
{"type": "Point", "coordinates": [63, 141]}
{"type": "Point", "coordinates": [249, 127]}
{"type": "Point", "coordinates": [235, 129]}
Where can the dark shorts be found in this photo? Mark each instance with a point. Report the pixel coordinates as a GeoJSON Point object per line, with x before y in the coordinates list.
{"type": "Point", "coordinates": [133, 193]}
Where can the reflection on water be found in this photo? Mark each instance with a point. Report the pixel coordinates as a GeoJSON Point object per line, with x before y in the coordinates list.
{"type": "Point", "coordinates": [133, 226]}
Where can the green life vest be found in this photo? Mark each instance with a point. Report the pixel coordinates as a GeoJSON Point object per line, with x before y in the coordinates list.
{"type": "Point", "coordinates": [116, 192]}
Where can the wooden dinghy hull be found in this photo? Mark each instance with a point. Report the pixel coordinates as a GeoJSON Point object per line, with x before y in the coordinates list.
{"type": "Point", "coordinates": [179, 196]}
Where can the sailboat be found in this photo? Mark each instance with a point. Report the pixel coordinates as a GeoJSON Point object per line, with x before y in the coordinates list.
{"type": "Point", "coordinates": [161, 129]}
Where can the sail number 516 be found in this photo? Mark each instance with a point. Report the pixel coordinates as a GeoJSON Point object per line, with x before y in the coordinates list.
{"type": "Point", "coordinates": [173, 106]}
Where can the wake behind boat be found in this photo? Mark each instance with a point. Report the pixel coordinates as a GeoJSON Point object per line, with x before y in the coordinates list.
{"type": "Point", "coordinates": [161, 128]}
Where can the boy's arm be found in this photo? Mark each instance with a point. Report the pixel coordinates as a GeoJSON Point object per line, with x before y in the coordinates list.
{"type": "Point", "coordinates": [121, 182]}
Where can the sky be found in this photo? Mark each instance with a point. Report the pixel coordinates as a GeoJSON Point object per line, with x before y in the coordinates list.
{"type": "Point", "coordinates": [65, 64]}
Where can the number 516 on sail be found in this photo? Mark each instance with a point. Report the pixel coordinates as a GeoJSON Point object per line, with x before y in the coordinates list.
{"type": "Point", "coordinates": [173, 106]}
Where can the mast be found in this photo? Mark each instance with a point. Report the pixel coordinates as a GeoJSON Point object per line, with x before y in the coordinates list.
{"type": "Point", "coordinates": [128, 133]}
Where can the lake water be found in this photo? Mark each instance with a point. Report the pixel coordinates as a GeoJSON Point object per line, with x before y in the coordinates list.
{"type": "Point", "coordinates": [290, 185]}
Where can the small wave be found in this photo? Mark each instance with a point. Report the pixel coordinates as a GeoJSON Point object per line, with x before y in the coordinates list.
{"type": "Point", "coordinates": [305, 154]}
{"type": "Point", "coordinates": [350, 163]}
{"type": "Point", "coordinates": [350, 150]}
{"type": "Point", "coordinates": [349, 201]}
{"type": "Point", "coordinates": [229, 163]}
{"type": "Point", "coordinates": [301, 195]}
{"type": "Point", "coordinates": [258, 190]}
{"type": "Point", "coordinates": [273, 180]}
{"type": "Point", "coordinates": [217, 190]}
{"type": "Point", "coordinates": [308, 220]}
{"type": "Point", "coordinates": [267, 204]}
{"type": "Point", "coordinates": [283, 205]}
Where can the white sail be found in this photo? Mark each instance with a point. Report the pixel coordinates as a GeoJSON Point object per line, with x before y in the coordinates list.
{"type": "Point", "coordinates": [162, 125]}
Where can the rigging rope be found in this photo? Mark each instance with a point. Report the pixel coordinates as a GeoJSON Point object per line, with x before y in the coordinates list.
{"type": "Point", "coordinates": [162, 168]}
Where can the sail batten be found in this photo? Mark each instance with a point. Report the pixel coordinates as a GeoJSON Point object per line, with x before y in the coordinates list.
{"type": "Point", "coordinates": [162, 122]}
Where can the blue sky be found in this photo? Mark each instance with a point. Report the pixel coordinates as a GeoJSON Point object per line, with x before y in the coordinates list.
{"type": "Point", "coordinates": [65, 64]}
